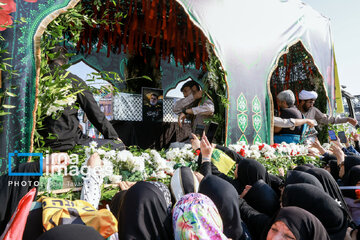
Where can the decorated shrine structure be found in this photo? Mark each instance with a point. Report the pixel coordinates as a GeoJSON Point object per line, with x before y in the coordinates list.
{"type": "Point", "coordinates": [263, 50]}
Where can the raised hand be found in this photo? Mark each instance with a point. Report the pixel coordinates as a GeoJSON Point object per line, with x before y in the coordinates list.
{"type": "Point", "coordinates": [206, 148]}
{"type": "Point", "coordinates": [181, 119]}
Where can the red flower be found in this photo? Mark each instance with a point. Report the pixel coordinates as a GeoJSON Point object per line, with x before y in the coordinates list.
{"type": "Point", "coordinates": [5, 10]}
{"type": "Point", "coordinates": [242, 152]}
{"type": "Point", "coordinates": [261, 146]}
{"type": "Point", "coordinates": [275, 145]}
{"type": "Point", "coordinates": [357, 193]}
{"type": "Point", "coordinates": [197, 152]}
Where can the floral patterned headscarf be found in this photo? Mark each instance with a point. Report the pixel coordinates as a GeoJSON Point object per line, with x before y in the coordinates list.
{"type": "Point", "coordinates": [195, 216]}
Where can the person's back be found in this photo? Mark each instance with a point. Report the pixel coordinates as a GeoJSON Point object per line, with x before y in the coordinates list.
{"type": "Point", "coordinates": [291, 112]}
{"type": "Point", "coordinates": [286, 101]}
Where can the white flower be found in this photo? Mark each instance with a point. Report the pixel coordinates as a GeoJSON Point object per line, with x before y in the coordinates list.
{"type": "Point", "coordinates": [123, 156]}
{"type": "Point", "coordinates": [136, 164]}
{"type": "Point", "coordinates": [187, 146]}
{"type": "Point", "coordinates": [255, 154]}
{"type": "Point", "coordinates": [254, 148]}
{"type": "Point", "coordinates": [161, 174]}
{"type": "Point", "coordinates": [101, 152]}
{"type": "Point", "coordinates": [93, 144]}
{"type": "Point", "coordinates": [108, 168]}
{"type": "Point", "coordinates": [88, 151]}
{"type": "Point", "coordinates": [115, 178]}
{"type": "Point", "coordinates": [326, 146]}
{"type": "Point", "coordinates": [269, 155]}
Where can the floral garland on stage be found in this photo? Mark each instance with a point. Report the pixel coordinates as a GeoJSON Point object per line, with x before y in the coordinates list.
{"type": "Point", "coordinates": [136, 164]}
{"type": "Point", "coordinates": [151, 165]}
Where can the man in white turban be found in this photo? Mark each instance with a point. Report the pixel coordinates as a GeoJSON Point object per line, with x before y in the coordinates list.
{"type": "Point", "coordinates": [306, 106]}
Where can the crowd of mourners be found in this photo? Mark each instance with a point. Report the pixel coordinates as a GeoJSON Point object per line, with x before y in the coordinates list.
{"type": "Point", "coordinates": [206, 204]}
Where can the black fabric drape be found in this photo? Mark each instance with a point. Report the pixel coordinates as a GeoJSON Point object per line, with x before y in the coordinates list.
{"type": "Point", "coordinates": [225, 197]}
{"type": "Point", "coordinates": [320, 204]}
{"type": "Point", "coordinates": [151, 134]}
{"type": "Point", "coordinates": [144, 214]}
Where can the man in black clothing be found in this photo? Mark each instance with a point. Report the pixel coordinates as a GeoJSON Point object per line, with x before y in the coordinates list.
{"type": "Point", "coordinates": [66, 128]}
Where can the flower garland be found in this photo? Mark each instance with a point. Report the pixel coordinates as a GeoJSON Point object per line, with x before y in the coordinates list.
{"type": "Point", "coordinates": [137, 165]}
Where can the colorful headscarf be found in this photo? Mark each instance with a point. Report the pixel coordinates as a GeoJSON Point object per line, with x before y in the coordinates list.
{"type": "Point", "coordinates": [195, 216]}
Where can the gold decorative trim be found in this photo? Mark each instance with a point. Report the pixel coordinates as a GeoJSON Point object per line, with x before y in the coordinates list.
{"type": "Point", "coordinates": [37, 50]}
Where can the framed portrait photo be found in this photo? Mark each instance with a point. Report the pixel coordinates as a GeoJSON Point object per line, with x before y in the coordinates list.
{"type": "Point", "coordinates": [152, 104]}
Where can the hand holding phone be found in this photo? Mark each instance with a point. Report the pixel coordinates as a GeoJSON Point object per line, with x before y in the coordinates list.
{"type": "Point", "coordinates": [199, 130]}
{"type": "Point", "coordinates": [342, 137]}
{"type": "Point", "coordinates": [211, 131]}
{"type": "Point", "coordinates": [332, 135]}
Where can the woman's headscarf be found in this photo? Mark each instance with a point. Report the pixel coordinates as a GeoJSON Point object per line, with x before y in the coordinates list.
{"type": "Point", "coordinates": [71, 232]}
{"type": "Point", "coordinates": [353, 178]}
{"type": "Point", "coordinates": [293, 177]}
{"type": "Point", "coordinates": [325, 208]}
{"type": "Point", "coordinates": [350, 161]}
{"type": "Point", "coordinates": [166, 192]}
{"type": "Point", "coordinates": [263, 198]}
{"type": "Point", "coordinates": [183, 182]}
{"type": "Point", "coordinates": [302, 224]}
{"type": "Point", "coordinates": [144, 213]}
{"type": "Point", "coordinates": [250, 171]}
{"type": "Point", "coordinates": [225, 197]}
{"type": "Point", "coordinates": [334, 169]}
{"type": "Point", "coordinates": [330, 186]}
{"type": "Point", "coordinates": [354, 175]}
{"type": "Point", "coordinates": [304, 167]}
{"type": "Point", "coordinates": [116, 203]}
{"type": "Point", "coordinates": [195, 216]}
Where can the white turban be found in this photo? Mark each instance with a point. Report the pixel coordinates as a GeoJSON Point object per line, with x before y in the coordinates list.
{"type": "Point", "coordinates": [306, 95]}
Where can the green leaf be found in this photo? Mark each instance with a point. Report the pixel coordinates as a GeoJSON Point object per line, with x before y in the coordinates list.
{"type": "Point", "coordinates": [8, 106]}
{"type": "Point", "coordinates": [146, 77]}
{"type": "Point", "coordinates": [2, 113]}
{"type": "Point", "coordinates": [10, 94]}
